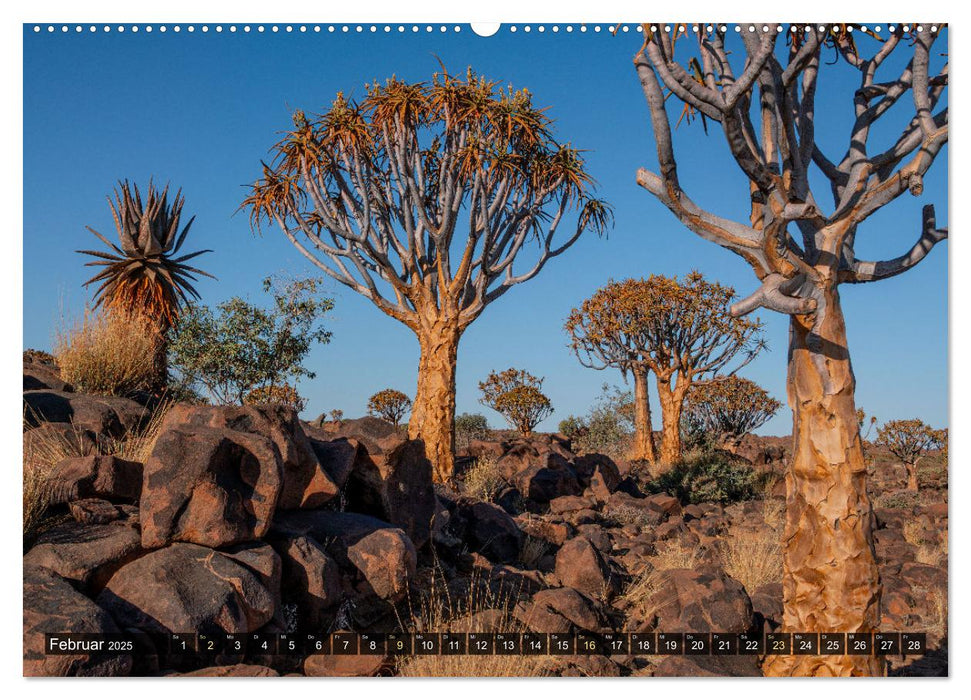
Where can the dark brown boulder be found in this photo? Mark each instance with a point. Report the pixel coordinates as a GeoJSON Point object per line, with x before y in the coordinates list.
{"type": "Point", "coordinates": [210, 486]}
{"type": "Point", "coordinates": [83, 411]}
{"type": "Point", "coordinates": [234, 671]}
{"type": "Point", "coordinates": [96, 476]}
{"type": "Point", "coordinates": [86, 554]}
{"type": "Point", "coordinates": [487, 529]}
{"type": "Point", "coordinates": [489, 449]}
{"type": "Point", "coordinates": [581, 566]}
{"type": "Point", "coordinates": [585, 466]}
{"type": "Point", "coordinates": [39, 375]}
{"type": "Point", "coordinates": [94, 511]}
{"type": "Point", "coordinates": [305, 483]}
{"type": "Point", "coordinates": [185, 587]}
{"type": "Point", "coordinates": [343, 666]}
{"type": "Point", "coordinates": [555, 533]}
{"type": "Point", "coordinates": [544, 482]}
{"type": "Point", "coordinates": [383, 555]}
{"type": "Point", "coordinates": [696, 601]}
{"type": "Point", "coordinates": [337, 458]}
{"type": "Point", "coordinates": [370, 431]}
{"type": "Point", "coordinates": [707, 666]}
{"type": "Point", "coordinates": [395, 485]}
{"type": "Point", "coordinates": [767, 603]}
{"type": "Point", "coordinates": [561, 610]}
{"type": "Point", "coordinates": [52, 606]}
{"type": "Point", "coordinates": [313, 581]}
{"type": "Point", "coordinates": [570, 504]}
{"type": "Point", "coordinates": [386, 559]}
{"type": "Point", "coordinates": [663, 503]}
{"type": "Point", "coordinates": [518, 456]}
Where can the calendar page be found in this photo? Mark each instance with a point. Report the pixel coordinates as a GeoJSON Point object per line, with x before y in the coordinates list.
{"type": "Point", "coordinates": [523, 349]}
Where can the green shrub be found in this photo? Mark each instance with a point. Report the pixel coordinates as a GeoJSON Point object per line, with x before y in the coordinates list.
{"type": "Point", "coordinates": [898, 499]}
{"type": "Point", "coordinates": [239, 347]}
{"type": "Point", "coordinates": [572, 427]}
{"type": "Point", "coordinates": [469, 427]}
{"type": "Point", "coordinates": [609, 426]}
{"type": "Point", "coordinates": [709, 477]}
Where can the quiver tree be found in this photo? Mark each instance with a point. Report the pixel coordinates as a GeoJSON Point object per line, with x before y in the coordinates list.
{"type": "Point", "coordinates": [908, 441]}
{"type": "Point", "coordinates": [606, 332]}
{"type": "Point", "coordinates": [422, 198]}
{"type": "Point", "coordinates": [801, 253]}
{"type": "Point", "coordinates": [146, 276]}
{"type": "Point", "coordinates": [728, 409]}
{"type": "Point", "coordinates": [517, 396]}
{"type": "Point", "coordinates": [389, 404]}
{"type": "Point", "coordinates": [276, 394]}
{"type": "Point", "coordinates": [679, 330]}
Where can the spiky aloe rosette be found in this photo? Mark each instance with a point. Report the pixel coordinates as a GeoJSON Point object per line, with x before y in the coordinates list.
{"type": "Point", "coordinates": [142, 276]}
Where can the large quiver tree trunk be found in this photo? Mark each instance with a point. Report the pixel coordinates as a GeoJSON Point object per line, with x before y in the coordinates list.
{"type": "Point", "coordinates": [433, 411]}
{"type": "Point", "coordinates": [830, 577]}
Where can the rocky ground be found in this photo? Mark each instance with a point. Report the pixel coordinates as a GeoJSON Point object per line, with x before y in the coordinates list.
{"type": "Point", "coordinates": [243, 520]}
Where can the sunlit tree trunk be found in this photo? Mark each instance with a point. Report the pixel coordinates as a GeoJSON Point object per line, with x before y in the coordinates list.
{"type": "Point", "coordinates": [672, 404]}
{"type": "Point", "coordinates": [830, 577]}
{"type": "Point", "coordinates": [912, 475]}
{"type": "Point", "coordinates": [433, 411]}
{"type": "Point", "coordinates": [643, 431]}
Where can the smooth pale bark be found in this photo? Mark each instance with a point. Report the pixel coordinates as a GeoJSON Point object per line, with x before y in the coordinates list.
{"type": "Point", "coordinates": [433, 411]}
{"type": "Point", "coordinates": [643, 431]}
{"type": "Point", "coordinates": [830, 577]}
{"type": "Point", "coordinates": [672, 404]}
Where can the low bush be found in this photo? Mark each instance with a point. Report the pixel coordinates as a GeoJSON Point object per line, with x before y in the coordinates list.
{"type": "Point", "coordinates": [482, 480]}
{"type": "Point", "coordinates": [607, 429]}
{"type": "Point", "coordinates": [709, 477]}
{"type": "Point", "coordinates": [109, 353]}
{"type": "Point", "coordinates": [469, 427]}
{"type": "Point", "coordinates": [276, 394]}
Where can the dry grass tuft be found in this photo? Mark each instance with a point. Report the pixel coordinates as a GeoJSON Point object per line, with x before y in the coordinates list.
{"type": "Point", "coordinates": [108, 353]}
{"type": "Point", "coordinates": [482, 480]}
{"type": "Point", "coordinates": [137, 445]}
{"type": "Point", "coordinates": [646, 592]}
{"type": "Point", "coordinates": [439, 611]}
{"type": "Point", "coordinates": [42, 452]}
{"type": "Point", "coordinates": [46, 448]}
{"type": "Point", "coordinates": [914, 532]}
{"type": "Point", "coordinates": [753, 557]}
{"type": "Point", "coordinates": [629, 515]}
{"type": "Point", "coordinates": [674, 554]}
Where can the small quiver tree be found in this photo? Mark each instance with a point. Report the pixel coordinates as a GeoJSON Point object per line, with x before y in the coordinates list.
{"type": "Point", "coordinates": [276, 394]}
{"type": "Point", "coordinates": [517, 396]}
{"type": "Point", "coordinates": [390, 404]}
{"type": "Point", "coordinates": [728, 408]}
{"type": "Point", "coordinates": [908, 441]}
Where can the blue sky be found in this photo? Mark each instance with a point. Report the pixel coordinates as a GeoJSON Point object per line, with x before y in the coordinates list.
{"type": "Point", "coordinates": [201, 110]}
